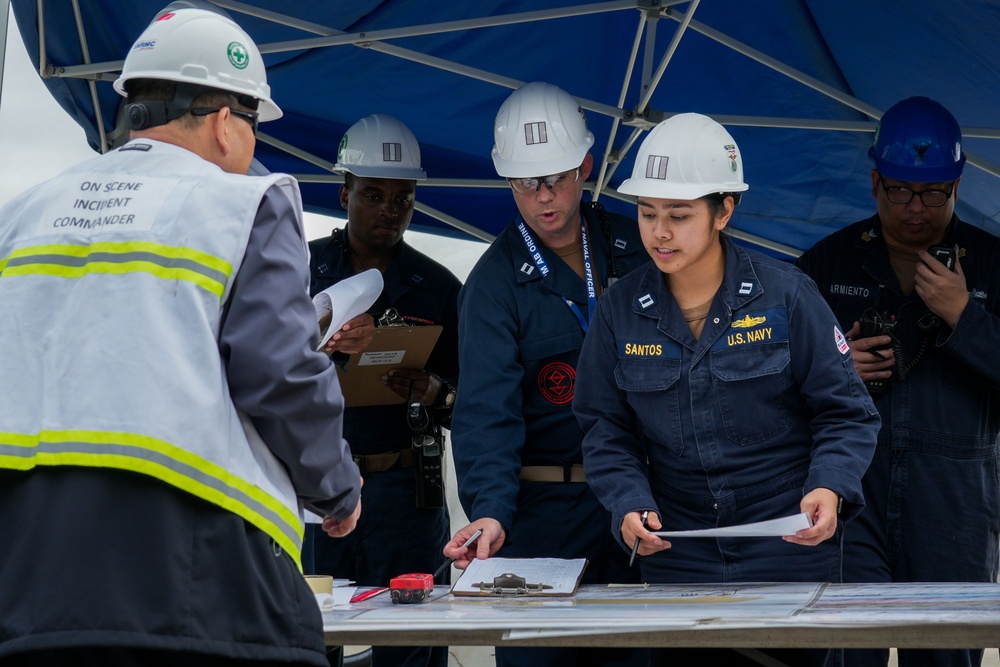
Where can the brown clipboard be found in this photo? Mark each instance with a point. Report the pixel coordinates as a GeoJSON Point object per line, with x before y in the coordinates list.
{"type": "Point", "coordinates": [392, 347]}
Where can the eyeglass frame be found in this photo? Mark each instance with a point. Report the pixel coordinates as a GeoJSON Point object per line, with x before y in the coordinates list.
{"type": "Point", "coordinates": [252, 117]}
{"type": "Point", "coordinates": [544, 180]}
{"type": "Point", "coordinates": [920, 193]}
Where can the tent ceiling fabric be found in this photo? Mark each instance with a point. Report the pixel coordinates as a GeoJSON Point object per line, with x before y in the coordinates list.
{"type": "Point", "coordinates": [798, 83]}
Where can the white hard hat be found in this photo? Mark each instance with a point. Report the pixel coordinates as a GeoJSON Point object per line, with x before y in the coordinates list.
{"type": "Point", "coordinates": [539, 130]}
{"type": "Point", "coordinates": [686, 156]}
{"type": "Point", "coordinates": [202, 48]}
{"type": "Point", "coordinates": [379, 146]}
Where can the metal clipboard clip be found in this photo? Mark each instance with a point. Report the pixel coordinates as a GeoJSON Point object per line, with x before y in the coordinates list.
{"type": "Point", "coordinates": [509, 584]}
{"type": "Point", "coordinates": [391, 318]}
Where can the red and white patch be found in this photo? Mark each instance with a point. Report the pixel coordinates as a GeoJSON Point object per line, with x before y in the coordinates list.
{"type": "Point", "coordinates": [556, 381]}
{"type": "Point", "coordinates": [840, 340]}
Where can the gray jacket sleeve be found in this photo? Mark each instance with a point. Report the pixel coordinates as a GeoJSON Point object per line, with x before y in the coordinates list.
{"type": "Point", "coordinates": [268, 340]}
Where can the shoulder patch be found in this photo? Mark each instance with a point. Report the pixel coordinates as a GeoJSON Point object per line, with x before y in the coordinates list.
{"type": "Point", "coordinates": [840, 340]}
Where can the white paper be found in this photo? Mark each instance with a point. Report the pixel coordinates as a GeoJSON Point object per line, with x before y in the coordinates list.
{"type": "Point", "coordinates": [788, 525]}
{"type": "Point", "coordinates": [346, 300]}
{"type": "Point", "coordinates": [341, 596]}
{"type": "Point", "coordinates": [560, 573]}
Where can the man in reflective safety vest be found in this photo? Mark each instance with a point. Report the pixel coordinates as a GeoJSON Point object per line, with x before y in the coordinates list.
{"type": "Point", "coordinates": [161, 386]}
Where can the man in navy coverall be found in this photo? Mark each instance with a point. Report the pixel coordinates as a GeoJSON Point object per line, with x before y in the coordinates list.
{"type": "Point", "coordinates": [380, 159]}
{"type": "Point", "coordinates": [522, 316]}
{"type": "Point", "coordinates": [932, 366]}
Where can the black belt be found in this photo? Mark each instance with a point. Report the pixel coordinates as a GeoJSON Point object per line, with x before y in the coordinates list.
{"type": "Point", "coordinates": [394, 460]}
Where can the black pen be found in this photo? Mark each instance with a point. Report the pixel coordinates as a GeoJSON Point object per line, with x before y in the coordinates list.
{"type": "Point", "coordinates": [448, 562]}
{"type": "Point", "coordinates": [635, 547]}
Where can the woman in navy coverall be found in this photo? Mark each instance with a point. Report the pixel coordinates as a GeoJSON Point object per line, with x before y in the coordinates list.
{"type": "Point", "coordinates": [715, 388]}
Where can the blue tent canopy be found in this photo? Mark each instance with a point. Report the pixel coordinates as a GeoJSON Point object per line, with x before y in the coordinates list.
{"type": "Point", "coordinates": [799, 84]}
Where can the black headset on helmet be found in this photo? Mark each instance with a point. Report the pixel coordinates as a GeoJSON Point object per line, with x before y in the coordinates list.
{"type": "Point", "coordinates": [151, 113]}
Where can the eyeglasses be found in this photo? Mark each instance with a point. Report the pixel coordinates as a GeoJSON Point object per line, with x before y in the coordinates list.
{"type": "Point", "coordinates": [553, 182]}
{"type": "Point", "coordinates": [251, 117]}
{"type": "Point", "coordinates": [897, 194]}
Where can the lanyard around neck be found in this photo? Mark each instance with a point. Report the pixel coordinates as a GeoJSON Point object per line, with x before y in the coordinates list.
{"type": "Point", "coordinates": [588, 270]}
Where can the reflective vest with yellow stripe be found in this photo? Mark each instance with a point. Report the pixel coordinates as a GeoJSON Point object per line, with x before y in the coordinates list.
{"type": "Point", "coordinates": [113, 278]}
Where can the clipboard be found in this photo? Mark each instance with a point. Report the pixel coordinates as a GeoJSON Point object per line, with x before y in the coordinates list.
{"type": "Point", "coordinates": [513, 577]}
{"type": "Point", "coordinates": [392, 347]}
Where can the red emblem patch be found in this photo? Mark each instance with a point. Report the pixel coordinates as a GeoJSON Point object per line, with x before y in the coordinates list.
{"type": "Point", "coordinates": [556, 382]}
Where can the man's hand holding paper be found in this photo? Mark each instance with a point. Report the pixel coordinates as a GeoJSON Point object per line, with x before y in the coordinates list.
{"type": "Point", "coordinates": [341, 313]}
{"type": "Point", "coordinates": [352, 338]}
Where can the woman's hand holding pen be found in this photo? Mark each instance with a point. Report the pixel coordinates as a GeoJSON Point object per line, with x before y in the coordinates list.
{"type": "Point", "coordinates": [632, 528]}
{"type": "Point", "coordinates": [483, 547]}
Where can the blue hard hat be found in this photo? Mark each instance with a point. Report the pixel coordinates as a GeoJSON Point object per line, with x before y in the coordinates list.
{"type": "Point", "coordinates": [919, 141]}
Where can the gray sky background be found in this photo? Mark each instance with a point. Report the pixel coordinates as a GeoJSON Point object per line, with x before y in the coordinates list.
{"type": "Point", "coordinates": [38, 140]}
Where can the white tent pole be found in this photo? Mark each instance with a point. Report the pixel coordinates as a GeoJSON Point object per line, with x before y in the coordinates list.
{"type": "Point", "coordinates": [649, 53]}
{"type": "Point", "coordinates": [4, 16]}
{"type": "Point", "coordinates": [42, 58]}
{"type": "Point", "coordinates": [797, 123]}
{"type": "Point", "coordinates": [85, 50]}
{"type": "Point", "coordinates": [476, 183]}
{"type": "Point", "coordinates": [650, 81]}
{"type": "Point", "coordinates": [616, 156]}
{"type": "Point", "coordinates": [616, 121]}
{"type": "Point", "coordinates": [649, 87]}
{"type": "Point", "coordinates": [293, 150]}
{"type": "Point", "coordinates": [760, 241]}
{"type": "Point", "coordinates": [982, 163]}
{"type": "Point", "coordinates": [453, 221]}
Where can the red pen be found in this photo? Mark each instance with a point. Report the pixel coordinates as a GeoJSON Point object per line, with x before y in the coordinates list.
{"type": "Point", "coordinates": [361, 597]}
